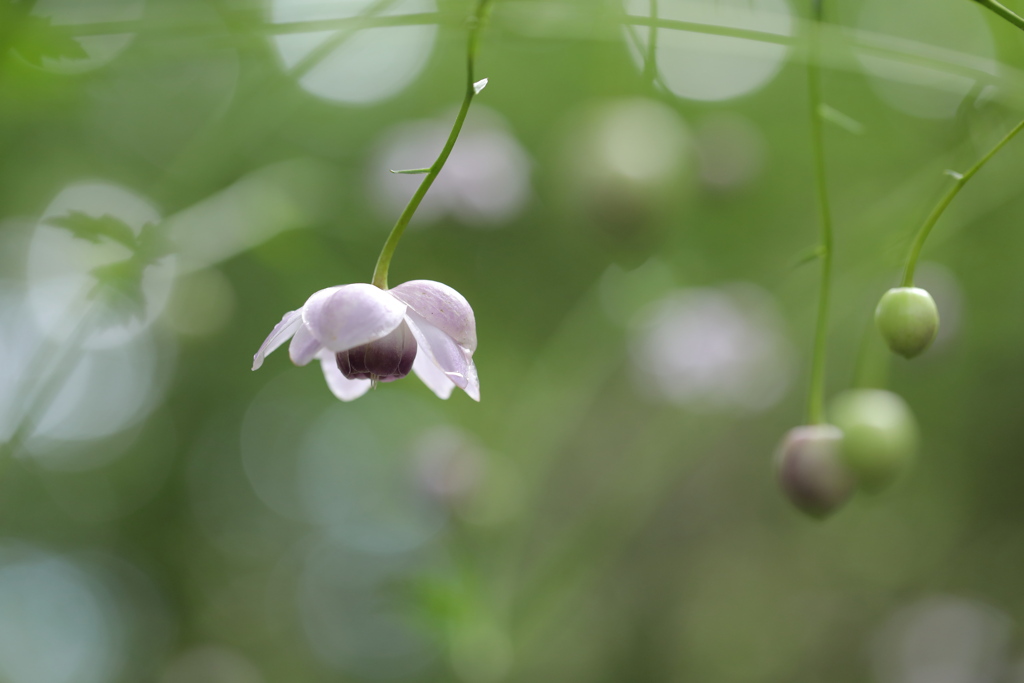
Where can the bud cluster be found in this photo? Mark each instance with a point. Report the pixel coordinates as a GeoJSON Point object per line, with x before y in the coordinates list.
{"type": "Point", "coordinates": [871, 435]}
{"type": "Point", "coordinates": [869, 441]}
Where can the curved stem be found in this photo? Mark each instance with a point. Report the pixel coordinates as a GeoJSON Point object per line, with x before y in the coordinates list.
{"type": "Point", "coordinates": [816, 394]}
{"type": "Point", "coordinates": [933, 217]}
{"type": "Point", "coordinates": [380, 272]}
{"type": "Point", "coordinates": [1004, 12]}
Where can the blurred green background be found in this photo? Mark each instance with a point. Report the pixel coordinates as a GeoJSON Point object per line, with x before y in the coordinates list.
{"type": "Point", "coordinates": [627, 231]}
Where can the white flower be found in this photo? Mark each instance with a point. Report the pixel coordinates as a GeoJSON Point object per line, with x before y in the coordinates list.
{"type": "Point", "coordinates": [362, 335]}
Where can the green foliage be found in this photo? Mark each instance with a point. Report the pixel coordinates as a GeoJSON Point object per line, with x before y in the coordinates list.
{"type": "Point", "coordinates": [95, 229]}
{"type": "Point", "coordinates": [119, 282]}
{"type": "Point", "coordinates": [35, 38]}
{"type": "Point", "coordinates": [612, 534]}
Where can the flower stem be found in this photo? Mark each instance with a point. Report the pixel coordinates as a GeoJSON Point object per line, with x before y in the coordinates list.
{"type": "Point", "coordinates": [380, 272]}
{"type": "Point", "coordinates": [1004, 12]}
{"type": "Point", "coordinates": [816, 394]}
{"type": "Point", "coordinates": [933, 217]}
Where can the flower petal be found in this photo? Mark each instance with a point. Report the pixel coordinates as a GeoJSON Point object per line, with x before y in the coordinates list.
{"type": "Point", "coordinates": [454, 360]}
{"type": "Point", "coordinates": [432, 375]}
{"type": "Point", "coordinates": [279, 335]}
{"type": "Point", "coordinates": [472, 387]}
{"type": "Point", "coordinates": [442, 307]}
{"type": "Point", "coordinates": [304, 346]}
{"type": "Point", "coordinates": [350, 315]}
{"type": "Point", "coordinates": [344, 388]}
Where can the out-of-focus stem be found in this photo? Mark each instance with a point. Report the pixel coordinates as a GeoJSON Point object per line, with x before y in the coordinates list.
{"type": "Point", "coordinates": [816, 394]}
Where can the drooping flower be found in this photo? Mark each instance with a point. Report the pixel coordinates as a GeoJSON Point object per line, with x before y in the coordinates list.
{"type": "Point", "coordinates": [362, 335]}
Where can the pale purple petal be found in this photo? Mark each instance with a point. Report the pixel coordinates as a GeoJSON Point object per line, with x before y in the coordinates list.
{"type": "Point", "coordinates": [432, 375]}
{"type": "Point", "coordinates": [472, 387]}
{"type": "Point", "coordinates": [279, 335]}
{"type": "Point", "coordinates": [304, 346]}
{"type": "Point", "coordinates": [351, 315]}
{"type": "Point", "coordinates": [344, 388]}
{"type": "Point", "coordinates": [455, 361]}
{"type": "Point", "coordinates": [442, 307]}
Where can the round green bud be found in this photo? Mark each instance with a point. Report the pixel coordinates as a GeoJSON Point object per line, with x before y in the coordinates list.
{"type": "Point", "coordinates": [879, 435]}
{"type": "Point", "coordinates": [908, 320]}
{"type": "Point", "coordinates": [811, 470]}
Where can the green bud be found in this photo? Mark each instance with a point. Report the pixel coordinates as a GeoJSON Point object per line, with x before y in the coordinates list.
{"type": "Point", "coordinates": [908, 320]}
{"type": "Point", "coordinates": [879, 435]}
{"type": "Point", "coordinates": [811, 471]}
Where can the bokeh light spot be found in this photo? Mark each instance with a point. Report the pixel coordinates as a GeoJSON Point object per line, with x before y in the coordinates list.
{"type": "Point", "coordinates": [917, 89]}
{"type": "Point", "coordinates": [942, 639]}
{"type": "Point", "coordinates": [365, 66]}
{"type": "Point", "coordinates": [485, 182]}
{"type": "Point", "coordinates": [357, 487]}
{"type": "Point", "coordinates": [56, 625]}
{"type": "Point", "coordinates": [61, 264]}
{"type": "Point", "coordinates": [713, 349]}
{"type": "Point", "coordinates": [202, 304]}
{"type": "Point", "coordinates": [700, 66]}
{"type": "Point", "coordinates": [354, 617]}
{"type": "Point", "coordinates": [211, 664]}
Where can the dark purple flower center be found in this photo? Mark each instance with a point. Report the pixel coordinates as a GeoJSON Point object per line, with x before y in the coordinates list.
{"type": "Point", "coordinates": [384, 360]}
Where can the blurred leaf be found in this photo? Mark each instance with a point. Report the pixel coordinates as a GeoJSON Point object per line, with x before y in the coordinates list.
{"type": "Point", "coordinates": [36, 38]}
{"type": "Point", "coordinates": [807, 255]}
{"type": "Point", "coordinates": [120, 283]}
{"type": "Point", "coordinates": [92, 229]}
{"type": "Point", "coordinates": [152, 244]}
{"type": "Point", "coordinates": [847, 123]}
{"type": "Point", "coordinates": [441, 600]}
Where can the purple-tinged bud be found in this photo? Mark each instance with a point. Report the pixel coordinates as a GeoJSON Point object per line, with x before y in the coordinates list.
{"type": "Point", "coordinates": [811, 471]}
{"type": "Point", "coordinates": [383, 360]}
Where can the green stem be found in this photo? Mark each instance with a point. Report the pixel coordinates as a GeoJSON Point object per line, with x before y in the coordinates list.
{"type": "Point", "coordinates": [650, 60]}
{"type": "Point", "coordinates": [200, 30]}
{"type": "Point", "coordinates": [933, 217]}
{"type": "Point", "coordinates": [872, 368]}
{"type": "Point", "coordinates": [816, 395]}
{"type": "Point", "coordinates": [1004, 12]}
{"type": "Point", "coordinates": [380, 272]}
